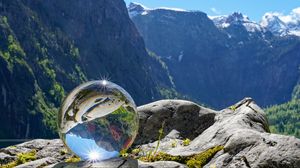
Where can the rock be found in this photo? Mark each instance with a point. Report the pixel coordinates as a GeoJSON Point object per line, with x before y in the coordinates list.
{"type": "Point", "coordinates": [38, 163]}
{"type": "Point", "coordinates": [46, 152]}
{"type": "Point", "coordinates": [5, 158]}
{"type": "Point", "coordinates": [112, 163]}
{"type": "Point", "coordinates": [186, 117]}
{"type": "Point", "coordinates": [119, 163]}
{"type": "Point", "coordinates": [245, 135]}
{"type": "Point", "coordinates": [241, 130]}
{"type": "Point", "coordinates": [161, 164]}
{"type": "Point", "coordinates": [44, 148]}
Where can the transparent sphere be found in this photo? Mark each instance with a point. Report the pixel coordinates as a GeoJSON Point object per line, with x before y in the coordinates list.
{"type": "Point", "coordinates": [97, 120]}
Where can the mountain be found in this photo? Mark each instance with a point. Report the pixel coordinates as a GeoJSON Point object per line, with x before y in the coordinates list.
{"type": "Point", "coordinates": [218, 60]}
{"type": "Point", "coordinates": [48, 47]}
{"type": "Point", "coordinates": [236, 19]}
{"type": "Point", "coordinates": [274, 24]}
{"type": "Point", "coordinates": [282, 25]}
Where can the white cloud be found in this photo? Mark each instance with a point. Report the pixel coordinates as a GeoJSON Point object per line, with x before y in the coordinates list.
{"type": "Point", "coordinates": [292, 18]}
{"type": "Point", "coordinates": [296, 11]}
{"type": "Point", "coordinates": [215, 11]}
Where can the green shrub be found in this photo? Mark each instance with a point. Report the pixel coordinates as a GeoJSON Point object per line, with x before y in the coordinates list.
{"type": "Point", "coordinates": [81, 75]}
{"type": "Point", "coordinates": [14, 47]}
{"type": "Point", "coordinates": [233, 108]}
{"type": "Point", "coordinates": [46, 66]}
{"type": "Point", "coordinates": [186, 142]}
{"type": "Point", "coordinates": [74, 51]}
{"type": "Point", "coordinates": [57, 92]}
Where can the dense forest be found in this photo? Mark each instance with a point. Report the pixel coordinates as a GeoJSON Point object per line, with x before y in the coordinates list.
{"type": "Point", "coordinates": [285, 118]}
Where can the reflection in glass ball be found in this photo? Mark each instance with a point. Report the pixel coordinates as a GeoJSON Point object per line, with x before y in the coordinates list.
{"type": "Point", "coordinates": [97, 120]}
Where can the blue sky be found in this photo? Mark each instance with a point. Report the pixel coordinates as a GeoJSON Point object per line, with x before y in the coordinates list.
{"type": "Point", "coordinates": [255, 9]}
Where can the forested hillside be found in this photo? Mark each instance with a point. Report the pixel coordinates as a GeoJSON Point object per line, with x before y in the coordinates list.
{"type": "Point", "coordinates": [285, 118]}
{"type": "Point", "coordinates": [48, 47]}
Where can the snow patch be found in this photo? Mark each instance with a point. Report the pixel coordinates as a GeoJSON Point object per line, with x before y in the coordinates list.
{"type": "Point", "coordinates": [180, 56]}
{"type": "Point", "coordinates": [224, 21]}
{"type": "Point", "coordinates": [135, 9]}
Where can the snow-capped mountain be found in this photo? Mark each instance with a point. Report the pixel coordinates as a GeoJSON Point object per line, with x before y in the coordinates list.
{"type": "Point", "coordinates": [139, 9]}
{"type": "Point", "coordinates": [236, 18]}
{"type": "Point", "coordinates": [274, 24]}
{"type": "Point", "coordinates": [282, 25]}
{"type": "Point", "coordinates": [277, 23]}
{"type": "Point", "coordinates": [238, 54]}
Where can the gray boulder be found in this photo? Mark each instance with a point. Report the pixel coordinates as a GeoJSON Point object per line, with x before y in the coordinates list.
{"type": "Point", "coordinates": [244, 132]}
{"type": "Point", "coordinates": [186, 117]}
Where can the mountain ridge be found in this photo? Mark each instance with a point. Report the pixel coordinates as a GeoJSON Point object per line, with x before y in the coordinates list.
{"type": "Point", "coordinates": [243, 63]}
{"type": "Point", "coordinates": [270, 21]}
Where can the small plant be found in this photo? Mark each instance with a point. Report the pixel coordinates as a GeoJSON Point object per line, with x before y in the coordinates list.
{"type": "Point", "coordinates": [149, 156]}
{"type": "Point", "coordinates": [186, 142]}
{"type": "Point", "coordinates": [136, 151]}
{"type": "Point", "coordinates": [174, 144]}
{"type": "Point", "coordinates": [233, 108]}
{"type": "Point", "coordinates": [63, 151]}
{"type": "Point", "coordinates": [152, 154]}
{"type": "Point", "coordinates": [123, 153]}
{"type": "Point", "coordinates": [72, 159]}
{"type": "Point", "coordinates": [160, 134]}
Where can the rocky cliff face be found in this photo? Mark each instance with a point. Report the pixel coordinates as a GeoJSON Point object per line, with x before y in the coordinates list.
{"type": "Point", "coordinates": [49, 47]}
{"type": "Point", "coordinates": [233, 137]}
{"type": "Point", "coordinates": [219, 60]}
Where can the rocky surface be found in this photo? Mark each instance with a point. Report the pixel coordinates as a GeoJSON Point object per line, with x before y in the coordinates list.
{"type": "Point", "coordinates": [241, 129]}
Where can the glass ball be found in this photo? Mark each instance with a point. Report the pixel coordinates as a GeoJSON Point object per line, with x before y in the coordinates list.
{"type": "Point", "coordinates": [98, 120]}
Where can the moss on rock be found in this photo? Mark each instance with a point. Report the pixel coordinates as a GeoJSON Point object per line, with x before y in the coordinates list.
{"type": "Point", "coordinates": [193, 161]}
{"type": "Point", "coordinates": [72, 159]}
{"type": "Point", "coordinates": [21, 159]}
{"type": "Point", "coordinates": [203, 158]}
